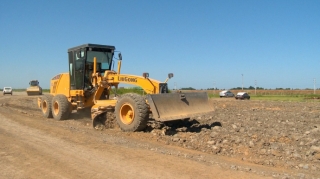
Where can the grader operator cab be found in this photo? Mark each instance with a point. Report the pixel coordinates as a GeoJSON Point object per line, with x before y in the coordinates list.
{"type": "Point", "coordinates": [34, 88]}
{"type": "Point", "coordinates": [90, 80]}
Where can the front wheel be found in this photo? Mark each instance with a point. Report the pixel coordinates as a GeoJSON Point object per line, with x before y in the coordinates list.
{"type": "Point", "coordinates": [132, 112]}
{"type": "Point", "coordinates": [60, 107]}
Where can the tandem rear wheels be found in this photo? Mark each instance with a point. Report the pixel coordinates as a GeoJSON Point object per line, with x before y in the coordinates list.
{"type": "Point", "coordinates": [131, 110]}
{"type": "Point", "coordinates": [57, 107]}
{"type": "Point", "coordinates": [46, 102]}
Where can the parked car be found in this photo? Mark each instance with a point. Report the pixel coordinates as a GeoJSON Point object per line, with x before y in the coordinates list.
{"type": "Point", "coordinates": [242, 95]}
{"type": "Point", "coordinates": [7, 90]}
{"type": "Point", "coordinates": [226, 93]}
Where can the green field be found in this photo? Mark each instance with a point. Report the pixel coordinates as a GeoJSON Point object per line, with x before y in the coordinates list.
{"type": "Point", "coordinates": [22, 90]}
{"type": "Point", "coordinates": [276, 95]}
{"type": "Point", "coordinates": [300, 98]}
{"type": "Point", "coordinates": [297, 98]}
{"type": "Point", "coordinates": [119, 91]}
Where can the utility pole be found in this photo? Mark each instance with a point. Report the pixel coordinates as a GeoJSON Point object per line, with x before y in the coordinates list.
{"type": "Point", "coordinates": [214, 87]}
{"type": "Point", "coordinates": [314, 86]}
{"type": "Point", "coordinates": [242, 82]}
{"type": "Point", "coordinates": [255, 87]}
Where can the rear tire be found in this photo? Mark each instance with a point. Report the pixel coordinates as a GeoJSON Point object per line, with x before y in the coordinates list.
{"type": "Point", "coordinates": [60, 107]}
{"type": "Point", "coordinates": [46, 103]}
{"type": "Point", "coordinates": [132, 112]}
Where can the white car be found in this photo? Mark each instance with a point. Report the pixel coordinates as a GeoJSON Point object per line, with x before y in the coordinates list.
{"type": "Point", "coordinates": [7, 90]}
{"type": "Point", "coordinates": [226, 93]}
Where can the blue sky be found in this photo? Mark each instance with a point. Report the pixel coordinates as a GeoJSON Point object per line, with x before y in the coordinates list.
{"type": "Point", "coordinates": [204, 43]}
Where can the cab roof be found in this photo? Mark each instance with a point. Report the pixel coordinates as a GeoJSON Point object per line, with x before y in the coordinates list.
{"type": "Point", "coordinates": [92, 46]}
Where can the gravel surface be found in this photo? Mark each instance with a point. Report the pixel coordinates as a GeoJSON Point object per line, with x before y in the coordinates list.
{"type": "Point", "coordinates": [268, 133]}
{"type": "Point", "coordinates": [276, 134]}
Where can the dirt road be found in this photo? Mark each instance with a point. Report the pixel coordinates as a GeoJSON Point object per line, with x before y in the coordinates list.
{"type": "Point", "coordinates": [35, 147]}
{"type": "Point", "coordinates": [36, 151]}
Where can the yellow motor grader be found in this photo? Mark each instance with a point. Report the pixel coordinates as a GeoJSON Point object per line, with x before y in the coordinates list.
{"type": "Point", "coordinates": [89, 83]}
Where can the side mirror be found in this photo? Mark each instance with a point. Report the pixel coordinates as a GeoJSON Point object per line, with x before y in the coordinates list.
{"type": "Point", "coordinates": [170, 75]}
{"type": "Point", "coordinates": [145, 75]}
{"type": "Point", "coordinates": [120, 56]}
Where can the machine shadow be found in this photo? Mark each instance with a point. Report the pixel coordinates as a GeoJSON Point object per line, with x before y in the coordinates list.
{"type": "Point", "coordinates": [171, 127]}
{"type": "Point", "coordinates": [81, 114]}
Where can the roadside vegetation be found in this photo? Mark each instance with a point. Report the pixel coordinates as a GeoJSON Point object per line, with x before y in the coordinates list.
{"type": "Point", "coordinates": [300, 98]}
{"type": "Point", "coordinates": [261, 94]}
{"type": "Point", "coordinates": [297, 98]}
{"type": "Point", "coordinates": [275, 95]}
{"type": "Point", "coordinates": [24, 90]}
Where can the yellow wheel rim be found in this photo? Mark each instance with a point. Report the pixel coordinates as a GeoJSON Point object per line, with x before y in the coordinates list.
{"type": "Point", "coordinates": [126, 113]}
{"type": "Point", "coordinates": [55, 108]}
{"type": "Point", "coordinates": [44, 106]}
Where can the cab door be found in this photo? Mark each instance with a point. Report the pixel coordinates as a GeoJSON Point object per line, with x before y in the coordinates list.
{"type": "Point", "coordinates": [76, 69]}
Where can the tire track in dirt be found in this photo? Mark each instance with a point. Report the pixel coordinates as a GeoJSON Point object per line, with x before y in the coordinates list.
{"type": "Point", "coordinates": [28, 152]}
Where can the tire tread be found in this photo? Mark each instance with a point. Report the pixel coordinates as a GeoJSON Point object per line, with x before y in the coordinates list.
{"type": "Point", "coordinates": [64, 107]}
{"type": "Point", "coordinates": [141, 113]}
{"type": "Point", "coordinates": [48, 99]}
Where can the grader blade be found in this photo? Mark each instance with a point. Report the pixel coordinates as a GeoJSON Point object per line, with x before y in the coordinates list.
{"type": "Point", "coordinates": [98, 119]}
{"type": "Point", "coordinates": [173, 106]}
{"type": "Point", "coordinates": [99, 111]}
